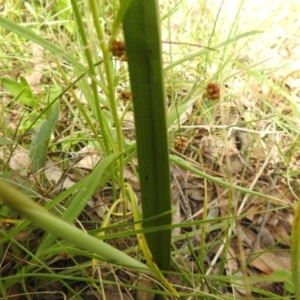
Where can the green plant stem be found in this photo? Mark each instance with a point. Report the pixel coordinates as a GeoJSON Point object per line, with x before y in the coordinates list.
{"type": "Point", "coordinates": [111, 93]}
{"type": "Point", "coordinates": [92, 71]}
{"type": "Point", "coordinates": [106, 134]}
{"type": "Point", "coordinates": [295, 251]}
{"type": "Point", "coordinates": [79, 105]}
{"type": "Point", "coordinates": [143, 49]}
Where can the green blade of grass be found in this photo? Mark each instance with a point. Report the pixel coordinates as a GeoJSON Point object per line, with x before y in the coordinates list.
{"type": "Point", "coordinates": [119, 18]}
{"type": "Point", "coordinates": [31, 36]}
{"type": "Point", "coordinates": [143, 49]}
{"type": "Point", "coordinates": [76, 203]}
{"type": "Point", "coordinates": [89, 58]}
{"type": "Point", "coordinates": [59, 52]}
{"type": "Point", "coordinates": [111, 92]}
{"type": "Point", "coordinates": [40, 139]}
{"type": "Point", "coordinates": [19, 90]}
{"type": "Point", "coordinates": [184, 164]}
{"type": "Point", "coordinates": [44, 219]}
{"type": "Point", "coordinates": [295, 252]}
{"type": "Point", "coordinates": [216, 47]}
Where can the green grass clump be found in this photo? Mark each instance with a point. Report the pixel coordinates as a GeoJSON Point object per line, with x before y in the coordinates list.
{"type": "Point", "coordinates": [195, 116]}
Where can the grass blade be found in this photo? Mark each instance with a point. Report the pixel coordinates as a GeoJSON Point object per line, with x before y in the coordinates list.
{"type": "Point", "coordinates": [80, 199]}
{"type": "Point", "coordinates": [31, 36]}
{"type": "Point", "coordinates": [295, 252]}
{"type": "Point", "coordinates": [142, 241]}
{"type": "Point", "coordinates": [40, 139]}
{"type": "Point", "coordinates": [44, 219]}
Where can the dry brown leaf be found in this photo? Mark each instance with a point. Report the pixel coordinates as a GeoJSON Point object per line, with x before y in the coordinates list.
{"type": "Point", "coordinates": [176, 216]}
{"type": "Point", "coordinates": [280, 234]}
{"type": "Point", "coordinates": [266, 237]}
{"type": "Point", "coordinates": [90, 158]}
{"type": "Point", "coordinates": [223, 200]}
{"type": "Point", "coordinates": [80, 95]}
{"type": "Point", "coordinates": [89, 162]}
{"type": "Point", "coordinates": [54, 174]}
{"type": "Point", "coordinates": [20, 161]}
{"type": "Point", "coordinates": [268, 262]}
{"type": "Point", "coordinates": [143, 295]}
{"type": "Point", "coordinates": [130, 177]}
{"type": "Point", "coordinates": [15, 292]}
{"type": "Point", "coordinates": [231, 265]}
{"type": "Point", "coordinates": [34, 78]}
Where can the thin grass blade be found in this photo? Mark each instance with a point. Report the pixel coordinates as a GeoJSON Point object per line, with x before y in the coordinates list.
{"type": "Point", "coordinates": [44, 219]}
{"type": "Point", "coordinates": [295, 252]}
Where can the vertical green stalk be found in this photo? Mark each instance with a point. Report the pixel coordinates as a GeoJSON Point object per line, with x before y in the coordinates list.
{"type": "Point", "coordinates": [111, 93]}
{"type": "Point", "coordinates": [92, 71]}
{"type": "Point", "coordinates": [143, 48]}
{"type": "Point", "coordinates": [106, 135]}
{"type": "Point", "coordinates": [295, 251]}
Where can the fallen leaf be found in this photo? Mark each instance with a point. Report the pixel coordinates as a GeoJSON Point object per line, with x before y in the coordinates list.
{"type": "Point", "coordinates": [268, 262]}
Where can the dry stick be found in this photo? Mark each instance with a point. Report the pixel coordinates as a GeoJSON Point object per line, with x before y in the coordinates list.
{"type": "Point", "coordinates": [256, 179]}
{"type": "Point", "coordinates": [243, 264]}
{"type": "Point", "coordinates": [189, 44]}
{"type": "Point", "coordinates": [240, 209]}
{"type": "Point", "coordinates": [263, 223]}
{"type": "Point", "coordinates": [216, 257]}
{"type": "Point", "coordinates": [209, 127]}
{"type": "Point", "coordinates": [59, 185]}
{"type": "Point", "coordinates": [185, 205]}
{"type": "Point", "coordinates": [258, 236]}
{"type": "Point", "coordinates": [117, 280]}
{"type": "Point", "coordinates": [101, 282]}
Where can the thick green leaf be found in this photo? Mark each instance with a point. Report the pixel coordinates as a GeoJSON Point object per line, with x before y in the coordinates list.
{"type": "Point", "coordinates": [20, 90]}
{"type": "Point", "coordinates": [40, 139]}
{"type": "Point", "coordinates": [143, 49]}
{"type": "Point", "coordinates": [4, 141]}
{"type": "Point", "coordinates": [64, 14]}
{"type": "Point", "coordinates": [119, 18]}
{"type": "Point", "coordinates": [286, 279]}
